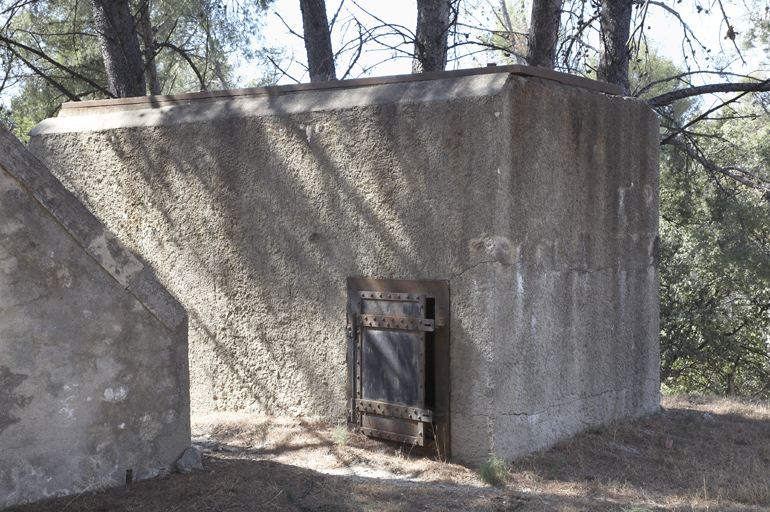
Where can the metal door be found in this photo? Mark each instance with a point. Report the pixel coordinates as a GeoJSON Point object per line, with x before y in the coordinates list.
{"type": "Point", "coordinates": [398, 360]}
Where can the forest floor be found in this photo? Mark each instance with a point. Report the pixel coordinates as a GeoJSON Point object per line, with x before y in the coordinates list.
{"type": "Point", "coordinates": [699, 454]}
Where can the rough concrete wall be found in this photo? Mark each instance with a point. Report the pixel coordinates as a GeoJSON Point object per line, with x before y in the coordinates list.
{"type": "Point", "coordinates": [254, 211]}
{"type": "Point", "coordinates": [577, 272]}
{"type": "Point", "coordinates": [93, 376]}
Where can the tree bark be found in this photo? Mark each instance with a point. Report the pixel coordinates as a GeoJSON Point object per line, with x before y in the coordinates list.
{"type": "Point", "coordinates": [613, 47]}
{"type": "Point", "coordinates": [120, 47]}
{"type": "Point", "coordinates": [543, 33]}
{"type": "Point", "coordinates": [430, 42]}
{"type": "Point", "coordinates": [318, 41]}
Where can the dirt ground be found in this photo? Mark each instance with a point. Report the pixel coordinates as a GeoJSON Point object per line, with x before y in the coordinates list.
{"type": "Point", "coordinates": [700, 454]}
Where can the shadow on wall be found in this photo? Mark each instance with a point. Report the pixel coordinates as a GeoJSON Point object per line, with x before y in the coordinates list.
{"type": "Point", "coordinates": [257, 221]}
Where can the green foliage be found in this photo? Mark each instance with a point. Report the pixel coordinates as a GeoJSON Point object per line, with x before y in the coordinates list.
{"type": "Point", "coordinates": [714, 259]}
{"type": "Point", "coordinates": [340, 436]}
{"type": "Point", "coordinates": [494, 470]}
{"type": "Point", "coordinates": [715, 263]}
{"type": "Point", "coordinates": [50, 51]}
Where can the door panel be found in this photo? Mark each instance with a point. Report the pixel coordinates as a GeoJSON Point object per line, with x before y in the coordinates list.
{"type": "Point", "coordinates": [395, 329]}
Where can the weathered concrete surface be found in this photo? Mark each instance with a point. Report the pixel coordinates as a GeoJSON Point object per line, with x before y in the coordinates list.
{"type": "Point", "coordinates": [537, 201]}
{"type": "Point", "coordinates": [93, 376]}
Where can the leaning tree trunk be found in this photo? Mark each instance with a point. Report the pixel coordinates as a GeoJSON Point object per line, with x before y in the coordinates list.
{"type": "Point", "coordinates": [118, 39]}
{"type": "Point", "coordinates": [430, 42]}
{"type": "Point", "coordinates": [613, 43]}
{"type": "Point", "coordinates": [543, 33]}
{"type": "Point", "coordinates": [318, 41]}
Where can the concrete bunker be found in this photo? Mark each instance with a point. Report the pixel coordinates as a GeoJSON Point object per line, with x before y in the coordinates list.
{"type": "Point", "coordinates": [94, 387]}
{"type": "Point", "coordinates": [533, 194]}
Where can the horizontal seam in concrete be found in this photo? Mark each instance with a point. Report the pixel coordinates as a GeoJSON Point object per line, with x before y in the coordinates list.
{"type": "Point", "coordinates": [571, 269]}
{"type": "Point", "coordinates": [88, 232]}
{"type": "Point", "coordinates": [562, 404]}
{"type": "Point", "coordinates": [275, 90]}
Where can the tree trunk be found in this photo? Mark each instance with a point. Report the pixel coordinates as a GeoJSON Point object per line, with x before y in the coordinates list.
{"type": "Point", "coordinates": [318, 41]}
{"type": "Point", "coordinates": [430, 42]}
{"type": "Point", "coordinates": [149, 54]}
{"type": "Point", "coordinates": [120, 47]}
{"type": "Point", "coordinates": [613, 47]}
{"type": "Point", "coordinates": [543, 33]}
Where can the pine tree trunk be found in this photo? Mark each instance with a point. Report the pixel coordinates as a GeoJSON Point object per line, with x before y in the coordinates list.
{"type": "Point", "coordinates": [120, 47]}
{"type": "Point", "coordinates": [543, 33]}
{"type": "Point", "coordinates": [318, 41]}
{"type": "Point", "coordinates": [613, 47]}
{"type": "Point", "coordinates": [148, 36]}
{"type": "Point", "coordinates": [430, 42]}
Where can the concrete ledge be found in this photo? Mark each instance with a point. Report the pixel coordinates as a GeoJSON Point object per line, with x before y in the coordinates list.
{"type": "Point", "coordinates": [143, 102]}
{"type": "Point", "coordinates": [89, 233]}
{"type": "Point", "coordinates": [116, 114]}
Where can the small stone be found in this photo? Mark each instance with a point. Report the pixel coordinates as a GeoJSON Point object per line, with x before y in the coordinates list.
{"type": "Point", "coordinates": [191, 459]}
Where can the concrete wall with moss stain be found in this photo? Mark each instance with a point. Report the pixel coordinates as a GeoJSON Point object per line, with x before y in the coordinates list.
{"type": "Point", "coordinates": [536, 200]}
{"type": "Point", "coordinates": [93, 352]}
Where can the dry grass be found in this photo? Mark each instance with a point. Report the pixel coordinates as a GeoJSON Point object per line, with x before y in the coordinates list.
{"type": "Point", "coordinates": [703, 454]}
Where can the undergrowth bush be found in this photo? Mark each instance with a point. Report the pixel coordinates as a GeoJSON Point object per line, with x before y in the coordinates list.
{"type": "Point", "coordinates": [493, 470]}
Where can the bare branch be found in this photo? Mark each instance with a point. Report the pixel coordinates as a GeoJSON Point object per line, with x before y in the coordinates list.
{"type": "Point", "coordinates": [334, 18]}
{"type": "Point", "coordinates": [730, 31]}
{"type": "Point", "coordinates": [357, 55]}
{"type": "Point", "coordinates": [291, 31]}
{"type": "Point", "coordinates": [279, 68]}
{"type": "Point", "coordinates": [16, 7]}
{"type": "Point", "coordinates": [670, 97]}
{"type": "Point", "coordinates": [681, 76]}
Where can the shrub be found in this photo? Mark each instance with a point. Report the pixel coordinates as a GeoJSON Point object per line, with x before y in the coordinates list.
{"type": "Point", "coordinates": [494, 470]}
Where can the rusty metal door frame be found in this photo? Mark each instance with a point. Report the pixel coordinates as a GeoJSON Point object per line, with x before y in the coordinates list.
{"type": "Point", "coordinates": [425, 420]}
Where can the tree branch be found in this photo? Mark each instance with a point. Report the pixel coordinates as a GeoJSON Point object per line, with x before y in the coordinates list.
{"type": "Point", "coordinates": [11, 42]}
{"type": "Point", "coordinates": [679, 94]}
{"type": "Point", "coordinates": [709, 111]}
{"type": "Point", "coordinates": [729, 172]}
{"type": "Point", "coordinates": [47, 78]}
{"type": "Point", "coordinates": [186, 57]}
